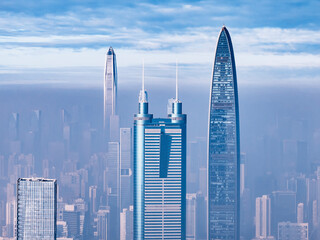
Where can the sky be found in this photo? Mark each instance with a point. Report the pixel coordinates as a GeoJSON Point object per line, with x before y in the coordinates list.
{"type": "Point", "coordinates": [63, 43]}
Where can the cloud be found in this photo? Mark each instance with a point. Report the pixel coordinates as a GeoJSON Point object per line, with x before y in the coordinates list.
{"type": "Point", "coordinates": [78, 37]}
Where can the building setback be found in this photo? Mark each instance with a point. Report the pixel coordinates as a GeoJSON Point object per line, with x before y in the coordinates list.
{"type": "Point", "coordinates": [224, 145]}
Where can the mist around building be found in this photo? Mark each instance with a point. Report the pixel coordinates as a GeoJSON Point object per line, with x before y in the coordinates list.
{"type": "Point", "coordinates": [162, 157]}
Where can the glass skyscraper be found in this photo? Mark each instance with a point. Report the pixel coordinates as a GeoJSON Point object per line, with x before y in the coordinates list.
{"type": "Point", "coordinates": [36, 209]}
{"type": "Point", "coordinates": [224, 145]}
{"type": "Point", "coordinates": [159, 173]}
{"type": "Point", "coordinates": [111, 119]}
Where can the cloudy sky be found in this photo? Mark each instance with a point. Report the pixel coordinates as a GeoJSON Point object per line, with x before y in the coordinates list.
{"type": "Point", "coordinates": [59, 43]}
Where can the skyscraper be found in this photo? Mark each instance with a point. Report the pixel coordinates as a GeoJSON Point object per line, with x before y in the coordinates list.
{"type": "Point", "coordinates": [159, 173]}
{"type": "Point", "coordinates": [36, 208]}
{"type": "Point", "coordinates": [113, 198]}
{"type": "Point", "coordinates": [110, 117]}
{"type": "Point", "coordinates": [125, 168]}
{"type": "Point", "coordinates": [263, 217]}
{"type": "Point", "coordinates": [224, 145]}
{"type": "Point", "coordinates": [191, 210]}
{"type": "Point", "coordinates": [126, 224]}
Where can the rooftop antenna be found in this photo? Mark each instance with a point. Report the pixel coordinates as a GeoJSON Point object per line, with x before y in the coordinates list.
{"type": "Point", "coordinates": [176, 80]}
{"type": "Point", "coordinates": [143, 76]}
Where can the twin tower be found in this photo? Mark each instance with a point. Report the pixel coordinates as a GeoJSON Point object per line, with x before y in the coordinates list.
{"type": "Point", "coordinates": [160, 158]}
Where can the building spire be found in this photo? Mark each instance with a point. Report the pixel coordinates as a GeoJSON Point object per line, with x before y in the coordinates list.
{"type": "Point", "coordinates": [177, 92]}
{"type": "Point", "coordinates": [142, 75]}
{"type": "Point", "coordinates": [143, 97]}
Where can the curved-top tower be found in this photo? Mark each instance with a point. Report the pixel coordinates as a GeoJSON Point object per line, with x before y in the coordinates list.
{"type": "Point", "coordinates": [224, 145]}
{"type": "Point", "coordinates": [110, 91]}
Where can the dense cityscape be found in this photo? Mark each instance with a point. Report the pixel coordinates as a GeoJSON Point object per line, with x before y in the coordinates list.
{"type": "Point", "coordinates": [155, 120]}
{"type": "Point", "coordinates": [138, 183]}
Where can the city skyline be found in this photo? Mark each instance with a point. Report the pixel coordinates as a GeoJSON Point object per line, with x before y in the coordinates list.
{"type": "Point", "coordinates": [88, 152]}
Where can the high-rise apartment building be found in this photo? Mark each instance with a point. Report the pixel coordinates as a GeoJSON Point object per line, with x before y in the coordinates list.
{"type": "Point", "coordinates": [191, 211]}
{"type": "Point", "coordinates": [103, 224]}
{"type": "Point", "coordinates": [126, 224]}
{"type": "Point", "coordinates": [110, 117]}
{"type": "Point", "coordinates": [293, 231]}
{"type": "Point", "coordinates": [224, 145]}
{"type": "Point", "coordinates": [263, 217]}
{"type": "Point", "coordinates": [284, 207]}
{"type": "Point", "coordinates": [159, 173]}
{"type": "Point", "coordinates": [300, 213]}
{"type": "Point", "coordinates": [36, 209]}
{"type": "Point", "coordinates": [113, 195]}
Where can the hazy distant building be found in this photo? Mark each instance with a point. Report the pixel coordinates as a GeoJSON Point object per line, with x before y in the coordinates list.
{"type": "Point", "coordinates": [283, 209]}
{"type": "Point", "coordinates": [293, 231]}
{"type": "Point", "coordinates": [102, 224]}
{"type": "Point", "coordinates": [300, 212]}
{"type": "Point", "coordinates": [93, 199]}
{"type": "Point", "coordinates": [113, 195]}
{"type": "Point", "coordinates": [126, 224]}
{"type": "Point", "coordinates": [14, 124]}
{"type": "Point", "coordinates": [201, 221]}
{"type": "Point", "coordinates": [126, 184]}
{"type": "Point", "coordinates": [110, 119]}
{"type": "Point", "coordinates": [36, 208]}
{"type": "Point", "coordinates": [263, 217]}
{"type": "Point", "coordinates": [11, 217]}
{"type": "Point", "coordinates": [159, 173]}
{"type": "Point", "coordinates": [72, 217]}
{"type": "Point", "coordinates": [191, 216]}
{"type": "Point", "coordinates": [224, 145]}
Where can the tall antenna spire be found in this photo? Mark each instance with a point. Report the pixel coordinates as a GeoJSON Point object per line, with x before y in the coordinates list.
{"type": "Point", "coordinates": [177, 80]}
{"type": "Point", "coordinates": [143, 97]}
{"type": "Point", "coordinates": [143, 75]}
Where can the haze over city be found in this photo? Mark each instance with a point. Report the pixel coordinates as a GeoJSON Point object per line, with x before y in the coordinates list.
{"type": "Point", "coordinates": [55, 124]}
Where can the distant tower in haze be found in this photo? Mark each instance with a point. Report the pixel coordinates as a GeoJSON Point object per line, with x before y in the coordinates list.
{"type": "Point", "coordinates": [224, 145]}
{"type": "Point", "coordinates": [263, 217]}
{"type": "Point", "coordinates": [159, 173]}
{"type": "Point", "coordinates": [126, 185]}
{"type": "Point", "coordinates": [36, 208]}
{"type": "Point", "coordinates": [110, 117]}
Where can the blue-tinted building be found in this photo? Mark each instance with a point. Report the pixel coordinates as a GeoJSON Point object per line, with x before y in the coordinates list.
{"type": "Point", "coordinates": [224, 145]}
{"type": "Point", "coordinates": [110, 117]}
{"type": "Point", "coordinates": [159, 173]}
{"type": "Point", "coordinates": [36, 209]}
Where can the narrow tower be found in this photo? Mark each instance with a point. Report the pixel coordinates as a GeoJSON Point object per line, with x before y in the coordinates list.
{"type": "Point", "coordinates": [159, 173]}
{"type": "Point", "coordinates": [110, 117]}
{"type": "Point", "coordinates": [224, 145]}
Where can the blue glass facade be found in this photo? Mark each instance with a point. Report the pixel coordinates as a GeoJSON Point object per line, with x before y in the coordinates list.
{"type": "Point", "coordinates": [224, 145]}
{"type": "Point", "coordinates": [159, 173]}
{"type": "Point", "coordinates": [110, 92]}
{"type": "Point", "coordinates": [36, 209]}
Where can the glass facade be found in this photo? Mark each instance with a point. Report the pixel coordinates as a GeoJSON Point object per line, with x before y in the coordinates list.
{"type": "Point", "coordinates": [224, 145]}
{"type": "Point", "coordinates": [159, 174]}
{"type": "Point", "coordinates": [36, 209]}
{"type": "Point", "coordinates": [110, 88]}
